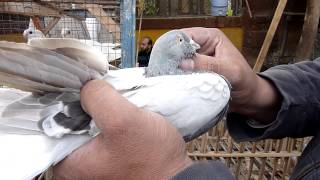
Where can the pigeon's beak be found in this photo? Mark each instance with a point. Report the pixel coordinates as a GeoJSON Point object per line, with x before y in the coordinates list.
{"type": "Point", "coordinates": [194, 45]}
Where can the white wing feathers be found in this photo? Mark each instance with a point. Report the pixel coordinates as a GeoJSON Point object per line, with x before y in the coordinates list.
{"type": "Point", "coordinates": [75, 49]}
{"type": "Point", "coordinates": [23, 158]}
{"type": "Point", "coordinates": [26, 151]}
{"type": "Point", "coordinates": [187, 101]}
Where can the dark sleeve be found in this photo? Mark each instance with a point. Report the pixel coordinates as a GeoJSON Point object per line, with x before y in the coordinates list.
{"type": "Point", "coordinates": [299, 115]}
{"type": "Point", "coordinates": [210, 170]}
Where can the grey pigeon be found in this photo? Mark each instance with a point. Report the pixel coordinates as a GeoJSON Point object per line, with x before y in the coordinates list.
{"type": "Point", "coordinates": [51, 123]}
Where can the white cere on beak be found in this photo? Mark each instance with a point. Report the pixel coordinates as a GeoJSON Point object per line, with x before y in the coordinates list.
{"type": "Point", "coordinates": [195, 45]}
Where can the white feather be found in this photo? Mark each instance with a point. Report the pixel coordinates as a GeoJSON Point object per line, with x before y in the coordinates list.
{"type": "Point", "coordinates": [187, 101]}
{"type": "Point", "coordinates": [26, 151]}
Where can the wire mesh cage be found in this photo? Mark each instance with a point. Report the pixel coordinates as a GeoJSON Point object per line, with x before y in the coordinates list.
{"type": "Point", "coordinates": [94, 22]}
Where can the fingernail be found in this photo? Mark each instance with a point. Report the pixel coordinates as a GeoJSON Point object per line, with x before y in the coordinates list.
{"type": "Point", "coordinates": [187, 65]}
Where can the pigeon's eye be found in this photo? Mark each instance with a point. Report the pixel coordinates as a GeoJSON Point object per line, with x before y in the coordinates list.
{"type": "Point", "coordinates": [30, 32]}
{"type": "Point", "coordinates": [180, 40]}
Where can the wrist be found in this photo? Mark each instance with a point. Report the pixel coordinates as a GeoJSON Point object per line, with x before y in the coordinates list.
{"type": "Point", "coordinates": [262, 101]}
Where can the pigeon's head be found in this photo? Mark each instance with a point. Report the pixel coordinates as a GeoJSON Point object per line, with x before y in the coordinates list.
{"type": "Point", "coordinates": [65, 32]}
{"type": "Point", "coordinates": [31, 33]}
{"type": "Point", "coordinates": [177, 45]}
{"type": "Point", "coordinates": [169, 51]}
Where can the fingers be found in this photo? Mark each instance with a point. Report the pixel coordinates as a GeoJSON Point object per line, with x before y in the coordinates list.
{"type": "Point", "coordinates": [207, 38]}
{"type": "Point", "coordinates": [110, 111]}
{"type": "Point", "coordinates": [202, 63]}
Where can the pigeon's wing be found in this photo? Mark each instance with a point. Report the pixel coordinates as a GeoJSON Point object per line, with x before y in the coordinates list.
{"type": "Point", "coordinates": [53, 114]}
{"type": "Point", "coordinates": [126, 79]}
{"type": "Point", "coordinates": [192, 103]}
{"type": "Point", "coordinates": [41, 66]}
{"type": "Point", "coordinates": [26, 150]}
{"type": "Point", "coordinates": [25, 156]}
{"type": "Point", "coordinates": [75, 49]}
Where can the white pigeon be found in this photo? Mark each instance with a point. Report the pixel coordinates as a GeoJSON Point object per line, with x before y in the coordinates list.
{"type": "Point", "coordinates": [112, 51]}
{"type": "Point", "coordinates": [50, 126]}
{"type": "Point", "coordinates": [31, 33]}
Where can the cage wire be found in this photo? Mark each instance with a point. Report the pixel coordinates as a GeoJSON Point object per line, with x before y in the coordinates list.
{"type": "Point", "coordinates": [93, 22]}
{"type": "Point", "coordinates": [97, 23]}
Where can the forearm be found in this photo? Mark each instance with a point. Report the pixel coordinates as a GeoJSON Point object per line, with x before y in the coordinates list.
{"type": "Point", "coordinates": [286, 104]}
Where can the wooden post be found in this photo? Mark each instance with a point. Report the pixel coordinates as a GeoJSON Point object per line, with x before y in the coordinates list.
{"type": "Point", "coordinates": [128, 33]}
{"type": "Point", "coordinates": [270, 34]}
{"type": "Point", "coordinates": [309, 31]}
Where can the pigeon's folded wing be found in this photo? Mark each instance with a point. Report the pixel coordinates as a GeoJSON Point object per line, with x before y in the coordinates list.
{"type": "Point", "coordinates": [192, 103]}
{"type": "Point", "coordinates": [126, 79]}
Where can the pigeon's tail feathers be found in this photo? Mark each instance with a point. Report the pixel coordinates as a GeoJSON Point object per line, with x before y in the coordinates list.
{"type": "Point", "coordinates": [75, 49]}
{"type": "Point", "coordinates": [37, 69]}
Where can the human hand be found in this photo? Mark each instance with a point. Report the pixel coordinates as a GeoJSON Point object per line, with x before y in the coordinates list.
{"type": "Point", "coordinates": [250, 94]}
{"type": "Point", "coordinates": [133, 143]}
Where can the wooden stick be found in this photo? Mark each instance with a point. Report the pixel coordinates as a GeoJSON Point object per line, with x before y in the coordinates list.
{"type": "Point", "coordinates": [271, 154]}
{"type": "Point", "coordinates": [51, 24]}
{"type": "Point", "coordinates": [249, 9]}
{"type": "Point", "coordinates": [309, 31]}
{"type": "Point", "coordinates": [270, 34]}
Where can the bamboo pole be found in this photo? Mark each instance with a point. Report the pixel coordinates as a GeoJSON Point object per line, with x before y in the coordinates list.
{"type": "Point", "coordinates": [270, 34]}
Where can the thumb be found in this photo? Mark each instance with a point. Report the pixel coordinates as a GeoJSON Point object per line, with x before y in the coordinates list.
{"type": "Point", "coordinates": [201, 63]}
{"type": "Point", "coordinates": [108, 108]}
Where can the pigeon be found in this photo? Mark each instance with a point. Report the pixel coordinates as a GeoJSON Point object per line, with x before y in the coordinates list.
{"type": "Point", "coordinates": [49, 123]}
{"type": "Point", "coordinates": [31, 33]}
{"type": "Point", "coordinates": [112, 51]}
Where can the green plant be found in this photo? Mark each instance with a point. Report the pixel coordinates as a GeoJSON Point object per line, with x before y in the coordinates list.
{"type": "Point", "coordinates": [150, 8]}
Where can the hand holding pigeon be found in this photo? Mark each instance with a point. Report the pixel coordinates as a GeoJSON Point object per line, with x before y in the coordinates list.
{"type": "Point", "coordinates": [191, 102]}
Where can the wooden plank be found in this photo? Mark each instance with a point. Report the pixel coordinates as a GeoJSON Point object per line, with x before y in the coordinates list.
{"type": "Point", "coordinates": [270, 34]}
{"type": "Point", "coordinates": [105, 19]}
{"type": "Point", "coordinates": [184, 22]}
{"type": "Point", "coordinates": [27, 9]}
{"type": "Point", "coordinates": [309, 31]}
{"type": "Point", "coordinates": [271, 154]}
{"type": "Point", "coordinates": [104, 2]}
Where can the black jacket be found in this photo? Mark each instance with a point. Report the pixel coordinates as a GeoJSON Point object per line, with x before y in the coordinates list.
{"type": "Point", "coordinates": [143, 58]}
{"type": "Point", "coordinates": [299, 116]}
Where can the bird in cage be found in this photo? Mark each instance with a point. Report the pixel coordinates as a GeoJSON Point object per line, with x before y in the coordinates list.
{"type": "Point", "coordinates": [112, 51]}
{"type": "Point", "coordinates": [32, 33]}
{"type": "Point", "coordinates": [46, 119]}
